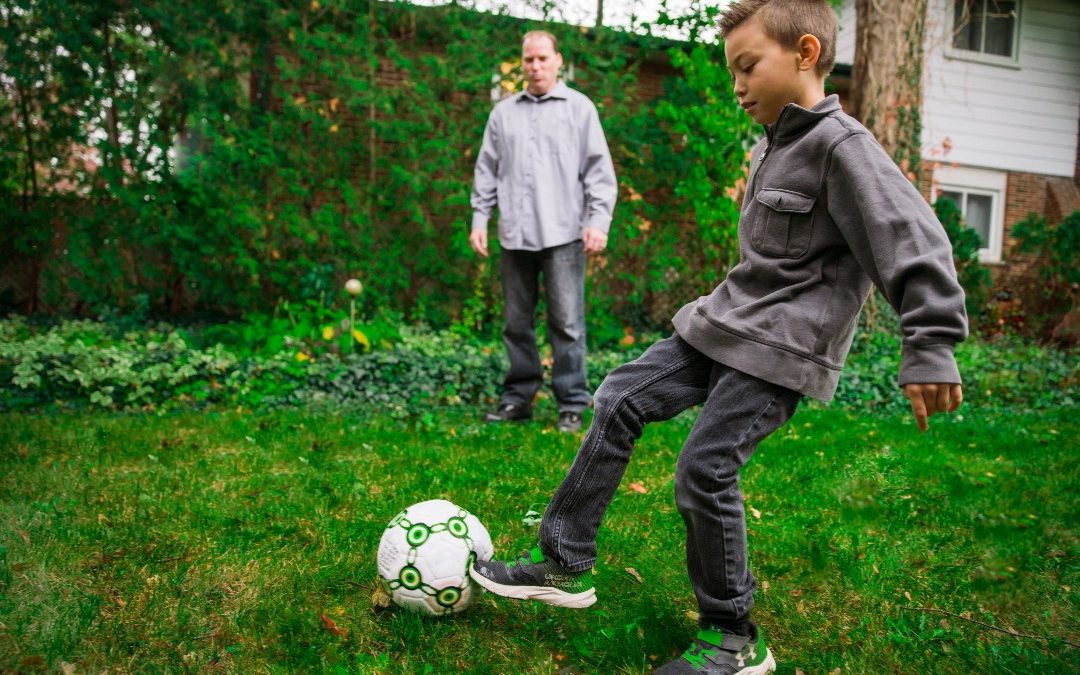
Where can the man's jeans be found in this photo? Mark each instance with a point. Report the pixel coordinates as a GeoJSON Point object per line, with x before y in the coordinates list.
{"type": "Point", "coordinates": [739, 410]}
{"type": "Point", "coordinates": [563, 270]}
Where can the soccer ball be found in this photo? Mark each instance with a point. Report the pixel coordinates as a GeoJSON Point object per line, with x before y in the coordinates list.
{"type": "Point", "coordinates": [425, 555]}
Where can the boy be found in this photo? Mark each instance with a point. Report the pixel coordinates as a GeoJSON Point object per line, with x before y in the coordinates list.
{"type": "Point", "coordinates": [826, 214]}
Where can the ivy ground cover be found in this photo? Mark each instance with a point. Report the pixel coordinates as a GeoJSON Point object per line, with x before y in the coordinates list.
{"type": "Point", "coordinates": [246, 543]}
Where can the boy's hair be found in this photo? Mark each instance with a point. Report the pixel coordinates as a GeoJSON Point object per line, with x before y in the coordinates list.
{"type": "Point", "coordinates": [541, 33]}
{"type": "Point", "coordinates": [786, 21]}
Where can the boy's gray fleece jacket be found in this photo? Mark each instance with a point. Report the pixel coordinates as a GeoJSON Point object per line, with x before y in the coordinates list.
{"type": "Point", "coordinates": [827, 213]}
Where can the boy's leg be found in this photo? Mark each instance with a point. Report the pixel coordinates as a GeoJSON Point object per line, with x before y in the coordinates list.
{"type": "Point", "coordinates": [740, 411]}
{"type": "Point", "coordinates": [668, 378]}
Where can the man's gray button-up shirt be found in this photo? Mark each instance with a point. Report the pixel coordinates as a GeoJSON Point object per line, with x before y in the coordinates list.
{"type": "Point", "coordinates": [545, 163]}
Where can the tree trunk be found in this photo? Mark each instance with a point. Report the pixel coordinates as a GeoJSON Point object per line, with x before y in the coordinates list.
{"type": "Point", "coordinates": [886, 92]}
{"type": "Point", "coordinates": [112, 119]}
{"type": "Point", "coordinates": [30, 197]}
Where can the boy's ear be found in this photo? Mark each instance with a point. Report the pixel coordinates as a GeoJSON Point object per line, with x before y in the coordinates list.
{"type": "Point", "coordinates": [809, 49]}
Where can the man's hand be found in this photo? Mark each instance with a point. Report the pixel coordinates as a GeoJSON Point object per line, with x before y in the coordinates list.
{"type": "Point", "coordinates": [594, 239]}
{"type": "Point", "coordinates": [478, 241]}
{"type": "Point", "coordinates": [927, 399]}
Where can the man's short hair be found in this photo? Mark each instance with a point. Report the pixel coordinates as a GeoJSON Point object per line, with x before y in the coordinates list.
{"type": "Point", "coordinates": [786, 21]}
{"type": "Point", "coordinates": [541, 33]}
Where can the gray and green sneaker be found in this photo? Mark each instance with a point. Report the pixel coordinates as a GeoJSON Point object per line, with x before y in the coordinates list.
{"type": "Point", "coordinates": [532, 577]}
{"type": "Point", "coordinates": [715, 652]}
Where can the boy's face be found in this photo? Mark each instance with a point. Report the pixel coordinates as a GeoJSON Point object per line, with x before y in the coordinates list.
{"type": "Point", "coordinates": [767, 76]}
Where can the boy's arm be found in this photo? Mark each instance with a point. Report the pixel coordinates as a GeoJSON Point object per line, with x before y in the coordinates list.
{"type": "Point", "coordinates": [902, 247]}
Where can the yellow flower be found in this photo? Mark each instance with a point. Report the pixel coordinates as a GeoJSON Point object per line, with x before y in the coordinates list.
{"type": "Point", "coordinates": [328, 333]}
{"type": "Point", "coordinates": [361, 338]}
{"type": "Point", "coordinates": [301, 357]}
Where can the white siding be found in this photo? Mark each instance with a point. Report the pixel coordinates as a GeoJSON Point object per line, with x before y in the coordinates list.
{"type": "Point", "coordinates": [1021, 117]}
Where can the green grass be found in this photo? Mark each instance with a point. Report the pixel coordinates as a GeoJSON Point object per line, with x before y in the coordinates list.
{"type": "Point", "coordinates": [196, 542]}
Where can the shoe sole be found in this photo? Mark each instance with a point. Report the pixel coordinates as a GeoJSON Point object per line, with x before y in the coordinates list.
{"type": "Point", "coordinates": [764, 668]}
{"type": "Point", "coordinates": [544, 594]}
{"type": "Point", "coordinates": [509, 419]}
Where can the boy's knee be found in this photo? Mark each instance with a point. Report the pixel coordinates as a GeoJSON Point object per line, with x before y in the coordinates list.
{"type": "Point", "coordinates": [603, 396]}
{"type": "Point", "coordinates": [696, 476]}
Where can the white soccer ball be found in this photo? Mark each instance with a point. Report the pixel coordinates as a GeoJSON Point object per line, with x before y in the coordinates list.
{"type": "Point", "coordinates": [425, 555]}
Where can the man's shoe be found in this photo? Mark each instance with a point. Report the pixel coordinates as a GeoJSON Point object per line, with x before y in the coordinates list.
{"type": "Point", "coordinates": [569, 422]}
{"type": "Point", "coordinates": [509, 412]}
{"type": "Point", "coordinates": [715, 652]}
{"type": "Point", "coordinates": [532, 577]}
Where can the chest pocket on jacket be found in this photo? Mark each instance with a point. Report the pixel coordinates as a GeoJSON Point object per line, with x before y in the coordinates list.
{"type": "Point", "coordinates": [785, 226]}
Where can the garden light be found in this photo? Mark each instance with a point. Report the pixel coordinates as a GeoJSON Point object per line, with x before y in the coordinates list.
{"type": "Point", "coordinates": [354, 288]}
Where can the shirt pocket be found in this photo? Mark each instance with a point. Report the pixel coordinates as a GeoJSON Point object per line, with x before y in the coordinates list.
{"type": "Point", "coordinates": [784, 227]}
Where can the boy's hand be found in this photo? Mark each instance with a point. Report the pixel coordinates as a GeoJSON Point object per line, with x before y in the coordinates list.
{"type": "Point", "coordinates": [927, 399]}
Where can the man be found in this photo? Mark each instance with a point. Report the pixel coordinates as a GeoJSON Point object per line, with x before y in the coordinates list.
{"type": "Point", "coordinates": [545, 164]}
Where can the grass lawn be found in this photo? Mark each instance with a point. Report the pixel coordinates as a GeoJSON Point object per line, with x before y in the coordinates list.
{"type": "Point", "coordinates": [210, 541]}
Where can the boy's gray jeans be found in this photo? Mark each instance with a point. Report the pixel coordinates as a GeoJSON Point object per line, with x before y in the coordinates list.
{"type": "Point", "coordinates": [738, 411]}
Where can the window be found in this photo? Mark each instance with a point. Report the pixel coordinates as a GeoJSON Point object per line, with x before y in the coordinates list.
{"type": "Point", "coordinates": [986, 27]}
{"type": "Point", "coordinates": [980, 195]}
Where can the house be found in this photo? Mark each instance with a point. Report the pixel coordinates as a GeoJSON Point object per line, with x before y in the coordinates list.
{"type": "Point", "coordinates": [1000, 113]}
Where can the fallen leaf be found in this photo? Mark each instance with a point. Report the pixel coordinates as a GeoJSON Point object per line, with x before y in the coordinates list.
{"type": "Point", "coordinates": [796, 593]}
{"type": "Point", "coordinates": [692, 615]}
{"type": "Point", "coordinates": [25, 536]}
{"type": "Point", "coordinates": [329, 625]}
{"type": "Point", "coordinates": [380, 599]}
{"type": "Point", "coordinates": [765, 586]}
{"type": "Point", "coordinates": [67, 668]}
{"type": "Point", "coordinates": [638, 487]}
{"type": "Point", "coordinates": [835, 672]}
{"type": "Point", "coordinates": [755, 513]}
{"type": "Point", "coordinates": [908, 596]}
{"type": "Point", "coordinates": [634, 573]}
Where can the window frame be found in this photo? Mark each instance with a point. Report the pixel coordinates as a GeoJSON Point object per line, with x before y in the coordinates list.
{"type": "Point", "coordinates": [959, 54]}
{"type": "Point", "coordinates": [984, 182]}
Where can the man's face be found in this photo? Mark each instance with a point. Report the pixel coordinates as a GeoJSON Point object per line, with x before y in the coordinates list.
{"type": "Point", "coordinates": [541, 64]}
{"type": "Point", "coordinates": [766, 75]}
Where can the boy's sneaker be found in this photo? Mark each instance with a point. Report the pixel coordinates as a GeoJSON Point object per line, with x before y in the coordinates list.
{"type": "Point", "coordinates": [715, 652]}
{"type": "Point", "coordinates": [532, 577]}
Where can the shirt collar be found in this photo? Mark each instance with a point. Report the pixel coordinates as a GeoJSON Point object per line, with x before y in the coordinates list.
{"type": "Point", "coordinates": [560, 90]}
{"type": "Point", "coordinates": [794, 119]}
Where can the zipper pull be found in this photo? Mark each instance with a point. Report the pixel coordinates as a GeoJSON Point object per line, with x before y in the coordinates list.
{"type": "Point", "coordinates": [764, 152]}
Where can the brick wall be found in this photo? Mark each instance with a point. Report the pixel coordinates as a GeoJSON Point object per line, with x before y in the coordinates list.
{"type": "Point", "coordinates": [1051, 197]}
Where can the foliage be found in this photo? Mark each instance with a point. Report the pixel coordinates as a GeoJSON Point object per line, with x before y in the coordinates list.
{"type": "Point", "coordinates": [1005, 373]}
{"type": "Point", "coordinates": [973, 276]}
{"type": "Point", "coordinates": [160, 367]}
{"type": "Point", "coordinates": [1057, 250]}
{"type": "Point", "coordinates": [243, 543]}
{"type": "Point", "coordinates": [213, 160]}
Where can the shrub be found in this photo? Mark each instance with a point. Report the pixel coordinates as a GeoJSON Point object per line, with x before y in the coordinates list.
{"type": "Point", "coordinates": [973, 276]}
{"type": "Point", "coordinates": [86, 364]}
{"type": "Point", "coordinates": [1057, 249]}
